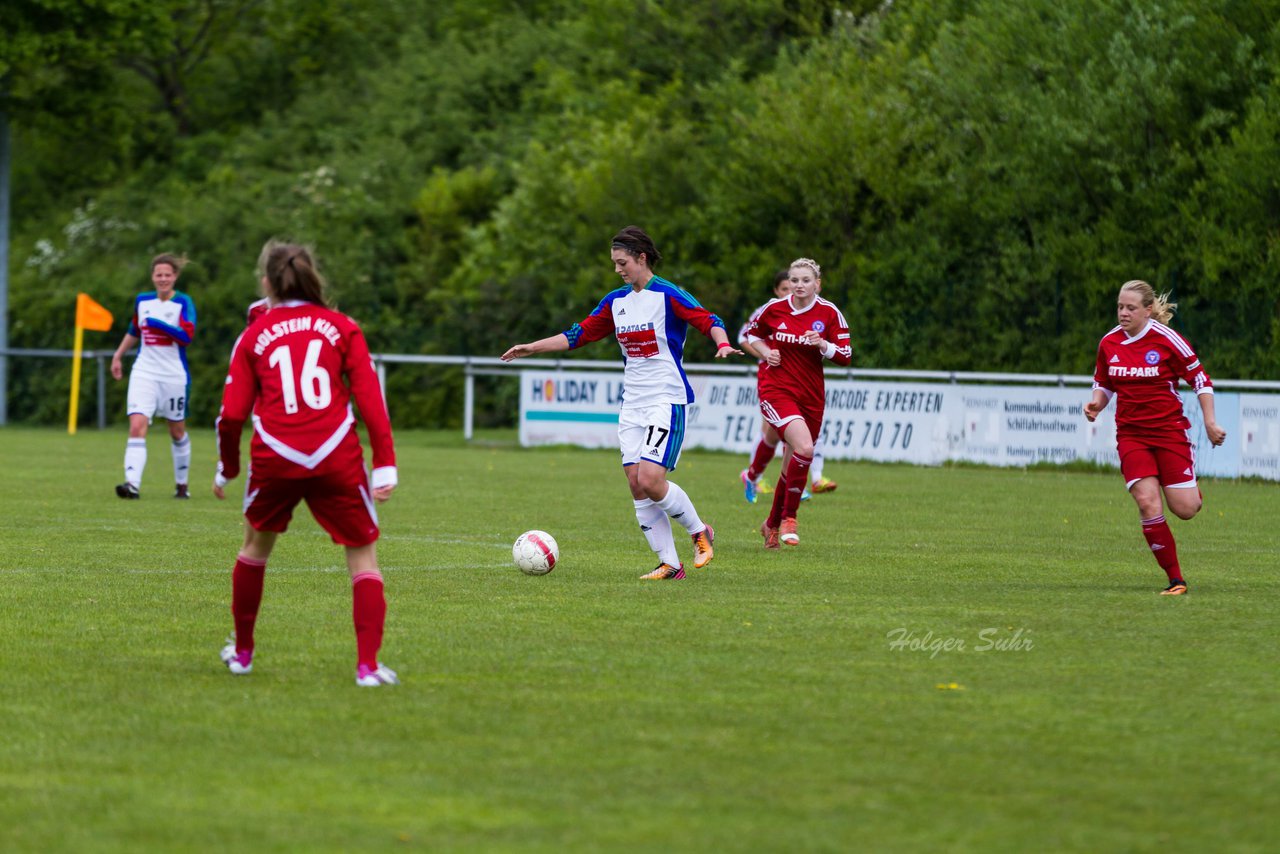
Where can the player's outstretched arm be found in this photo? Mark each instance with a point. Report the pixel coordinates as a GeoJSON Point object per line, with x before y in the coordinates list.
{"type": "Point", "coordinates": [554, 344]}
{"type": "Point", "coordinates": [723, 348]}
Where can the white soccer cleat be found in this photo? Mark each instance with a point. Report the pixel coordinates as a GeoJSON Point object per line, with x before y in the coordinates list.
{"type": "Point", "coordinates": [367, 677]}
{"type": "Point", "coordinates": [239, 663]}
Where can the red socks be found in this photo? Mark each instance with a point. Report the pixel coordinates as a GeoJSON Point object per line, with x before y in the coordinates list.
{"type": "Point", "coordinates": [760, 460]}
{"type": "Point", "coordinates": [369, 612]}
{"type": "Point", "coordinates": [246, 596]}
{"type": "Point", "coordinates": [797, 480]}
{"type": "Point", "coordinates": [1160, 538]}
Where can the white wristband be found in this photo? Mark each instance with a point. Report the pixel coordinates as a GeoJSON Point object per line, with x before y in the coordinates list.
{"type": "Point", "coordinates": [828, 349]}
{"type": "Point", "coordinates": [383, 476]}
{"type": "Point", "coordinates": [219, 481]}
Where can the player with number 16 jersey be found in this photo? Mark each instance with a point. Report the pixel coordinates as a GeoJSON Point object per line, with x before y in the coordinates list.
{"type": "Point", "coordinates": [294, 370]}
{"type": "Point", "coordinates": [288, 371]}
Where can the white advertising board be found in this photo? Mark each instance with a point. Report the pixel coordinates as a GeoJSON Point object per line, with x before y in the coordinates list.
{"type": "Point", "coordinates": [923, 423]}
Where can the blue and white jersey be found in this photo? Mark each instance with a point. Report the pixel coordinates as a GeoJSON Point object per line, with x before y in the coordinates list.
{"type": "Point", "coordinates": [164, 328]}
{"type": "Point", "coordinates": [651, 325]}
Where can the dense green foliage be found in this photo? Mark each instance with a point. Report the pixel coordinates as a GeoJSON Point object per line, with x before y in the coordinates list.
{"type": "Point", "coordinates": [977, 177]}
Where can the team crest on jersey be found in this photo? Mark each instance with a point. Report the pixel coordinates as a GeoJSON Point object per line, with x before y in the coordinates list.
{"type": "Point", "coordinates": [1152, 357]}
{"type": "Point", "coordinates": [819, 326]}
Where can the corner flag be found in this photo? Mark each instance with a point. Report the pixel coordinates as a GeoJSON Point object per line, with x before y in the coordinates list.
{"type": "Point", "coordinates": [89, 315]}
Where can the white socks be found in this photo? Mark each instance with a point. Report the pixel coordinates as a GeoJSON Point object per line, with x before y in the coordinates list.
{"type": "Point", "coordinates": [815, 470]}
{"type": "Point", "coordinates": [182, 459]}
{"type": "Point", "coordinates": [657, 530]}
{"type": "Point", "coordinates": [135, 460]}
{"type": "Point", "coordinates": [678, 506]}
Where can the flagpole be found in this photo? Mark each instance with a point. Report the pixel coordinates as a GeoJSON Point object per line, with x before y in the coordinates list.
{"type": "Point", "coordinates": [75, 381]}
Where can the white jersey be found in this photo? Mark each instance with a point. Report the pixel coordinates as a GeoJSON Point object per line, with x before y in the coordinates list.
{"type": "Point", "coordinates": [163, 328]}
{"type": "Point", "coordinates": [651, 325]}
{"type": "Point", "coordinates": [745, 332]}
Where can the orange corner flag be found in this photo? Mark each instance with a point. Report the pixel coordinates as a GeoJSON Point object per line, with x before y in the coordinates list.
{"type": "Point", "coordinates": [91, 315]}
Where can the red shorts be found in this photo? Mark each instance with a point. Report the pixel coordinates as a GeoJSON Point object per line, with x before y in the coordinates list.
{"type": "Point", "coordinates": [1168, 457]}
{"type": "Point", "coordinates": [340, 500]}
{"type": "Point", "coordinates": [780, 410]}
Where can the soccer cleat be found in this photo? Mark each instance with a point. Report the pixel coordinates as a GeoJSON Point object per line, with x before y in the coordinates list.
{"type": "Point", "coordinates": [763, 487]}
{"type": "Point", "coordinates": [181, 490]}
{"type": "Point", "coordinates": [664, 572]}
{"type": "Point", "coordinates": [787, 533]}
{"type": "Point", "coordinates": [239, 663]}
{"type": "Point", "coordinates": [127, 490]}
{"type": "Point", "coordinates": [770, 535]}
{"type": "Point", "coordinates": [1175, 588]}
{"type": "Point", "coordinates": [371, 677]}
{"type": "Point", "coordinates": [824, 484]}
{"type": "Point", "coordinates": [806, 495]}
{"type": "Point", "coordinates": [749, 488]}
{"type": "Point", "coordinates": [702, 553]}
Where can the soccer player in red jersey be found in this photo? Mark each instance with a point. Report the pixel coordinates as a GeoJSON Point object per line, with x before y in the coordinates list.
{"type": "Point", "coordinates": [295, 369]}
{"type": "Point", "coordinates": [794, 335]}
{"type": "Point", "coordinates": [1139, 363]}
{"type": "Point", "coordinates": [650, 318]}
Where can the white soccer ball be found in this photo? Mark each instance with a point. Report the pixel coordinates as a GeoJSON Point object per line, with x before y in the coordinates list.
{"type": "Point", "coordinates": [535, 552]}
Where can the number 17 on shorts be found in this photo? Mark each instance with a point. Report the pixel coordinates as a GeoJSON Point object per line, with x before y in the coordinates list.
{"type": "Point", "coordinates": [654, 433]}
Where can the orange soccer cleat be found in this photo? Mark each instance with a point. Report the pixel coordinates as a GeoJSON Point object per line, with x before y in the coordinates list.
{"type": "Point", "coordinates": [702, 552]}
{"type": "Point", "coordinates": [824, 484]}
{"type": "Point", "coordinates": [788, 533]}
{"type": "Point", "coordinates": [664, 572]}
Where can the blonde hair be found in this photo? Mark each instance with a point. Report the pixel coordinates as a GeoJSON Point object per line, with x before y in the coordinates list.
{"type": "Point", "coordinates": [1161, 309]}
{"type": "Point", "coordinates": [810, 263]}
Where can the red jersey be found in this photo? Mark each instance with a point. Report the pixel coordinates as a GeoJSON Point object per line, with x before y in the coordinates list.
{"type": "Point", "coordinates": [295, 369]}
{"type": "Point", "coordinates": [779, 324]}
{"type": "Point", "coordinates": [1143, 373]}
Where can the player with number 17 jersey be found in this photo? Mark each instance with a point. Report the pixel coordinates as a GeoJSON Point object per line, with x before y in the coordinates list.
{"type": "Point", "coordinates": [287, 372]}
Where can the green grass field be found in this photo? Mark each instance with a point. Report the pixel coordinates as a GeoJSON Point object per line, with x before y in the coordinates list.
{"type": "Point", "coordinates": [758, 705]}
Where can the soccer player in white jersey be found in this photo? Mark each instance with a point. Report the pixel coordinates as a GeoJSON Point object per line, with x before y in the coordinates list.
{"type": "Point", "coordinates": [1139, 363]}
{"type": "Point", "coordinates": [162, 324]}
{"type": "Point", "coordinates": [650, 317]}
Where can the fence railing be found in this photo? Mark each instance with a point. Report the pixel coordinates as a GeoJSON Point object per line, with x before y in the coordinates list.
{"type": "Point", "coordinates": [478, 366]}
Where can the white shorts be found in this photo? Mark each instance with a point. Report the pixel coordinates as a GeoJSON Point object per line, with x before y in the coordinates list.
{"type": "Point", "coordinates": [151, 397]}
{"type": "Point", "coordinates": [654, 433]}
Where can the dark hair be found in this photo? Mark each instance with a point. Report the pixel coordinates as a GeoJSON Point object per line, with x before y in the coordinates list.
{"type": "Point", "coordinates": [291, 273]}
{"type": "Point", "coordinates": [177, 262]}
{"type": "Point", "coordinates": [783, 275]}
{"type": "Point", "coordinates": [635, 242]}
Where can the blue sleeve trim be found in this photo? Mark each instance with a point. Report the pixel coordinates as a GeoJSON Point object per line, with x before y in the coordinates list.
{"type": "Point", "coordinates": [188, 306]}
{"type": "Point", "coordinates": [676, 292]}
{"type": "Point", "coordinates": [573, 333]}
{"type": "Point", "coordinates": [174, 332]}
